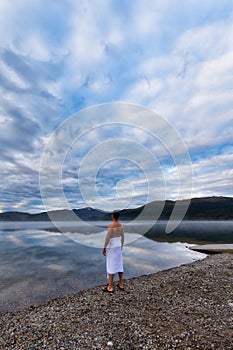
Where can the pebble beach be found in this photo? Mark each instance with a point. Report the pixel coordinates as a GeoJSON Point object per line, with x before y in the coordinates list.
{"type": "Point", "coordinates": [187, 307]}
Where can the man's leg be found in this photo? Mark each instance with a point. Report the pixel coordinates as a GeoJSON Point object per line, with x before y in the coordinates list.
{"type": "Point", "coordinates": [120, 279]}
{"type": "Point", "coordinates": [110, 282]}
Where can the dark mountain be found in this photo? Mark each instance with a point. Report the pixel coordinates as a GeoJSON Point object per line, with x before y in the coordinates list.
{"type": "Point", "coordinates": [59, 215]}
{"type": "Point", "coordinates": [217, 208]}
{"type": "Point", "coordinates": [89, 213]}
{"type": "Point", "coordinates": [207, 208]}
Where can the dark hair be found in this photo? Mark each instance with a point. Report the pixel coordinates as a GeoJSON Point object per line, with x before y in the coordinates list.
{"type": "Point", "coordinates": [116, 215]}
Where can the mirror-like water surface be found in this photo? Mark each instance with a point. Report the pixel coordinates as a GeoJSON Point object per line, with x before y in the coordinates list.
{"type": "Point", "coordinates": [38, 263]}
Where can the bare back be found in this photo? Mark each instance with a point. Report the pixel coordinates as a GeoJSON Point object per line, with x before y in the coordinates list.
{"type": "Point", "coordinates": [116, 231]}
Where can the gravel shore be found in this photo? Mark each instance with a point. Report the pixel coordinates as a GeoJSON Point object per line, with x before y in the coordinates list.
{"type": "Point", "coordinates": [188, 307]}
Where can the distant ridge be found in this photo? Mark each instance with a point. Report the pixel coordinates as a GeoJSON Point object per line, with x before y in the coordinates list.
{"type": "Point", "coordinates": [60, 215]}
{"type": "Point", "coordinates": [206, 208]}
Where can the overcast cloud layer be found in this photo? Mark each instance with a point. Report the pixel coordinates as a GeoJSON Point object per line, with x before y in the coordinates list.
{"type": "Point", "coordinates": [174, 57]}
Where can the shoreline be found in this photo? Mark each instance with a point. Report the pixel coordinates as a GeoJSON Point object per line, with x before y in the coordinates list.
{"type": "Point", "coordinates": [32, 274]}
{"type": "Point", "coordinates": [185, 307]}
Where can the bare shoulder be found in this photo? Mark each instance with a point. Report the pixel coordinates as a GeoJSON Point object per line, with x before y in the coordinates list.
{"type": "Point", "coordinates": [114, 225]}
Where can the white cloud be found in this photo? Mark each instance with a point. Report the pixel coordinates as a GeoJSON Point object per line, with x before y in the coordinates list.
{"type": "Point", "coordinates": [213, 175]}
{"type": "Point", "coordinates": [197, 94]}
{"type": "Point", "coordinates": [206, 41]}
{"type": "Point", "coordinates": [56, 58]}
{"type": "Point", "coordinates": [145, 90]}
{"type": "Point", "coordinates": [10, 74]}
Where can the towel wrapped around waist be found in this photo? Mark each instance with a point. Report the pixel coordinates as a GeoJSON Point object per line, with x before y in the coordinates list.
{"type": "Point", "coordinates": [114, 262]}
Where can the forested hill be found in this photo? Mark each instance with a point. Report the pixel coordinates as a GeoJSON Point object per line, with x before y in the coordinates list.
{"type": "Point", "coordinates": [206, 208]}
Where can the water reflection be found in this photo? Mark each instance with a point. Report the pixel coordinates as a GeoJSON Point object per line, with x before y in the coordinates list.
{"type": "Point", "coordinates": [38, 264]}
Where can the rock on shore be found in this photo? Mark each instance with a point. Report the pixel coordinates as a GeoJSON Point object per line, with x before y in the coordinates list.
{"type": "Point", "coordinates": [189, 307]}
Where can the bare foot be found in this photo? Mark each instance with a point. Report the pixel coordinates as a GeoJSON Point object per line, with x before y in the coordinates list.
{"type": "Point", "coordinates": [120, 286]}
{"type": "Point", "coordinates": [110, 289]}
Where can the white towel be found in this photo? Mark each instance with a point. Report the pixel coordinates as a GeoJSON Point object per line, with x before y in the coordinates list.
{"type": "Point", "coordinates": [114, 261]}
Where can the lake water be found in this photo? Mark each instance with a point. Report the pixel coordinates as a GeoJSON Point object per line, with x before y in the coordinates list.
{"type": "Point", "coordinates": [38, 263]}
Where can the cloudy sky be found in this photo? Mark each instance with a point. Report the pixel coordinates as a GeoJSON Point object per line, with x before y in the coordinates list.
{"type": "Point", "coordinates": [61, 58]}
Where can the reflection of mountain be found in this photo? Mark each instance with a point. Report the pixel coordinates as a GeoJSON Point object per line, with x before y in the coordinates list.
{"type": "Point", "coordinates": [197, 232]}
{"type": "Point", "coordinates": [207, 208]}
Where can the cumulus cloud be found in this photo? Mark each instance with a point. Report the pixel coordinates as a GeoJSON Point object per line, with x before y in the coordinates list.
{"type": "Point", "coordinates": [57, 58]}
{"type": "Point", "coordinates": [195, 85]}
{"type": "Point", "coordinates": [206, 175]}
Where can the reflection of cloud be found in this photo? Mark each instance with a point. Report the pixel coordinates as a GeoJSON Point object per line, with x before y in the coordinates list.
{"type": "Point", "coordinates": [149, 256]}
{"type": "Point", "coordinates": [15, 240]}
{"type": "Point", "coordinates": [45, 264]}
{"type": "Point", "coordinates": [57, 267]}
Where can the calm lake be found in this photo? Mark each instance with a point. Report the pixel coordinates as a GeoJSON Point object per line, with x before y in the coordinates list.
{"type": "Point", "coordinates": [38, 263]}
